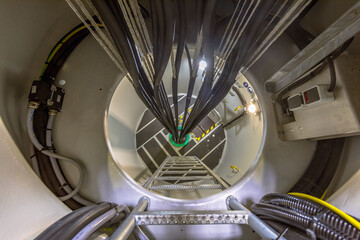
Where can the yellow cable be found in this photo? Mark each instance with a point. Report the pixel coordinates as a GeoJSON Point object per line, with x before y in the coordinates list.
{"type": "Point", "coordinates": [65, 39]}
{"type": "Point", "coordinates": [324, 194]}
{"type": "Point", "coordinates": [52, 54]}
{"type": "Point", "coordinates": [348, 218]}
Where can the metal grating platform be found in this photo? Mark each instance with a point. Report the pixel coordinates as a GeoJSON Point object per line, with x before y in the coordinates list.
{"type": "Point", "coordinates": [153, 145]}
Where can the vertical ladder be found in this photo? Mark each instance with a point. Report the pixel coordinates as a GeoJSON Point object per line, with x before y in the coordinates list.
{"type": "Point", "coordinates": [175, 173]}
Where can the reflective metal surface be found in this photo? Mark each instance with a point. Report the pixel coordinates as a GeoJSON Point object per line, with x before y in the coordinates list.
{"type": "Point", "coordinates": [260, 227]}
{"type": "Point", "coordinates": [191, 217]}
{"type": "Point", "coordinates": [333, 37]}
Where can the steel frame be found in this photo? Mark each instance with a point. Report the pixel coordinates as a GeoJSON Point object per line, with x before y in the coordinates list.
{"type": "Point", "coordinates": [332, 38]}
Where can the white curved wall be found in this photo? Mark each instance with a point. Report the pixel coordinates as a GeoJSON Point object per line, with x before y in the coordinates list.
{"type": "Point", "coordinates": [29, 29]}
{"type": "Point", "coordinates": [243, 141]}
{"type": "Point", "coordinates": [124, 114]}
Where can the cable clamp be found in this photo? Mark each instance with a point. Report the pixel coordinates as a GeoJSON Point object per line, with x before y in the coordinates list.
{"type": "Point", "coordinates": [311, 234]}
{"type": "Point", "coordinates": [63, 186]}
{"type": "Point", "coordinates": [47, 149]}
{"type": "Point", "coordinates": [34, 105]}
{"type": "Point", "coordinates": [314, 222]}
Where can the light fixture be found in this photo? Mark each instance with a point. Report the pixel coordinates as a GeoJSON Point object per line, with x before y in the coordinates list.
{"type": "Point", "coordinates": [251, 108]}
{"type": "Point", "coordinates": [202, 65]}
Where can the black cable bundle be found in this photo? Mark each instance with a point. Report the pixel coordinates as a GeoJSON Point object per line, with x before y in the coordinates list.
{"type": "Point", "coordinates": [46, 171]}
{"type": "Point", "coordinates": [169, 26]}
{"type": "Point", "coordinates": [50, 71]}
{"type": "Point", "coordinates": [321, 169]}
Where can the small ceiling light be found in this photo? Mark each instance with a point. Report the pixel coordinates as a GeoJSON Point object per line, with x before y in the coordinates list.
{"type": "Point", "coordinates": [202, 65]}
{"type": "Point", "coordinates": [62, 82]}
{"type": "Point", "coordinates": [252, 108]}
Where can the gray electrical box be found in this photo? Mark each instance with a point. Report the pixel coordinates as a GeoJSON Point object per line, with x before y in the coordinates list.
{"type": "Point", "coordinates": [314, 96]}
{"type": "Point", "coordinates": [318, 114]}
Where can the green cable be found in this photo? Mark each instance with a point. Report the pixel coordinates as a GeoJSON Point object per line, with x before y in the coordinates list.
{"type": "Point", "coordinates": [179, 144]}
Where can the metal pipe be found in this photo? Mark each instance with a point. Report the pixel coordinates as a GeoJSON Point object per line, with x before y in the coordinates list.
{"type": "Point", "coordinates": [95, 225]}
{"type": "Point", "coordinates": [186, 187]}
{"type": "Point", "coordinates": [125, 229]}
{"type": "Point", "coordinates": [260, 227]}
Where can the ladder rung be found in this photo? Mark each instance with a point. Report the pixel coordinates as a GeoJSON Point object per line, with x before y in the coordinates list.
{"type": "Point", "coordinates": [186, 164]}
{"type": "Point", "coordinates": [175, 167]}
{"type": "Point", "coordinates": [181, 187]}
{"type": "Point", "coordinates": [185, 178]}
{"type": "Point", "coordinates": [191, 217]}
{"type": "Point", "coordinates": [174, 158]}
{"type": "Point", "coordinates": [181, 162]}
{"type": "Point", "coordinates": [182, 172]}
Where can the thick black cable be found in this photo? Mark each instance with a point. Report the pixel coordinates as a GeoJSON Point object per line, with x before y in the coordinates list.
{"type": "Point", "coordinates": [332, 75]}
{"type": "Point", "coordinates": [62, 54]}
{"type": "Point", "coordinates": [41, 115]}
{"type": "Point", "coordinates": [191, 85]}
{"type": "Point", "coordinates": [194, 67]}
{"type": "Point", "coordinates": [167, 23]}
{"type": "Point", "coordinates": [163, 14]}
{"type": "Point", "coordinates": [208, 50]}
{"type": "Point", "coordinates": [113, 18]}
{"type": "Point", "coordinates": [46, 170]}
{"type": "Point", "coordinates": [231, 69]}
{"type": "Point", "coordinates": [321, 169]}
{"type": "Point", "coordinates": [180, 35]}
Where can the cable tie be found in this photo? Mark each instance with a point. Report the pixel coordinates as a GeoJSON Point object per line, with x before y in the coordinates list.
{"type": "Point", "coordinates": [64, 185]}
{"type": "Point", "coordinates": [320, 215]}
{"type": "Point", "coordinates": [47, 148]}
{"type": "Point", "coordinates": [311, 234]}
{"type": "Point", "coordinates": [315, 220]}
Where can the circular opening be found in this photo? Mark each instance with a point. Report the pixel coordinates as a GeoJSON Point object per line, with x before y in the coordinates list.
{"type": "Point", "coordinates": [232, 139]}
{"type": "Point", "coordinates": [228, 141]}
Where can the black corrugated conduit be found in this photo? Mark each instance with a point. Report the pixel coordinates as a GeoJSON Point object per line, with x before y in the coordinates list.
{"type": "Point", "coordinates": [320, 220]}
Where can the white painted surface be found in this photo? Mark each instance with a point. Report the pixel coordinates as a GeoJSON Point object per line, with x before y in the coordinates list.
{"type": "Point", "coordinates": [347, 197]}
{"type": "Point", "coordinates": [244, 139]}
{"type": "Point", "coordinates": [125, 112]}
{"type": "Point", "coordinates": [27, 207]}
{"type": "Point", "coordinates": [342, 114]}
{"type": "Point", "coordinates": [348, 166]}
{"type": "Point", "coordinates": [29, 29]}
